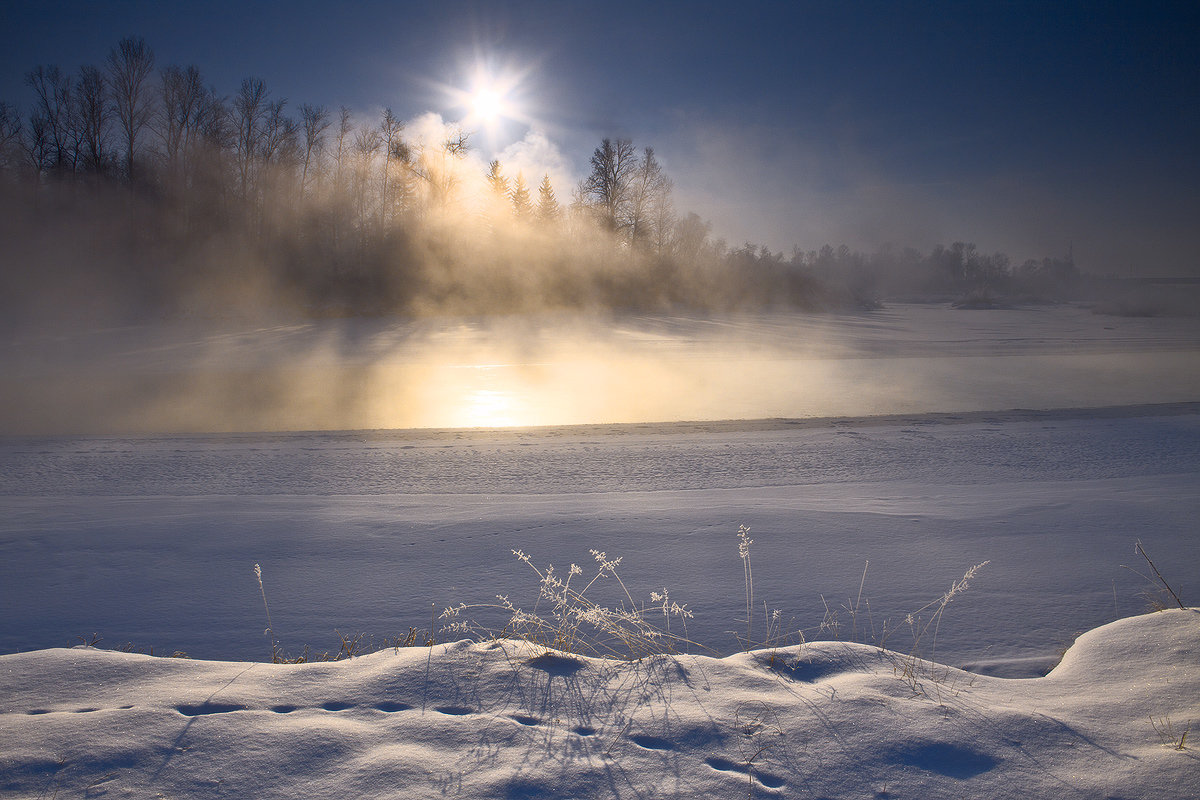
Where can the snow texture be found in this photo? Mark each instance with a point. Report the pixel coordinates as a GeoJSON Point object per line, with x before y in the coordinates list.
{"type": "Point", "coordinates": [509, 720]}
{"type": "Point", "coordinates": [150, 540]}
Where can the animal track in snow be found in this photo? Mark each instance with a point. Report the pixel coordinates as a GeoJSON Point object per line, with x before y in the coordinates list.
{"type": "Point", "coordinates": [389, 707]}
{"type": "Point", "coordinates": [205, 709]}
{"type": "Point", "coordinates": [88, 710]}
{"type": "Point", "coordinates": [652, 742]}
{"type": "Point", "coordinates": [525, 719]}
{"type": "Point", "coordinates": [208, 708]}
{"type": "Point", "coordinates": [453, 711]}
{"type": "Point", "coordinates": [725, 765]}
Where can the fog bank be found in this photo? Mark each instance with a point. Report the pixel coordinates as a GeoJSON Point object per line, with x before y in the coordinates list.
{"type": "Point", "coordinates": [563, 369]}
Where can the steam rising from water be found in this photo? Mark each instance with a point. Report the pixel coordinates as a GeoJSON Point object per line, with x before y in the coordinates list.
{"type": "Point", "coordinates": [553, 370]}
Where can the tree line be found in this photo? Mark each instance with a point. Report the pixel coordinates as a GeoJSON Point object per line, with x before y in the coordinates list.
{"type": "Point", "coordinates": [126, 182]}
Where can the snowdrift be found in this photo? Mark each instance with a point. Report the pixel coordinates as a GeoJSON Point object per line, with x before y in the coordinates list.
{"type": "Point", "coordinates": [510, 720]}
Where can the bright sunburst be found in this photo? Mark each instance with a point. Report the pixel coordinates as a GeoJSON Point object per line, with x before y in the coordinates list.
{"type": "Point", "coordinates": [494, 95]}
{"type": "Point", "coordinates": [487, 104]}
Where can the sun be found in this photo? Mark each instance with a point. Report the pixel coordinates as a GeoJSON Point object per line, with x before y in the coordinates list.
{"type": "Point", "coordinates": [487, 104]}
{"type": "Point", "coordinates": [493, 96]}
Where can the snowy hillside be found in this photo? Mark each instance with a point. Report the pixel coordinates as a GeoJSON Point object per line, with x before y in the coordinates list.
{"type": "Point", "coordinates": [510, 720]}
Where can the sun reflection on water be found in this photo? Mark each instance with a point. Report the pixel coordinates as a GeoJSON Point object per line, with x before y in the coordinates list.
{"type": "Point", "coordinates": [488, 408]}
{"type": "Point", "coordinates": [489, 395]}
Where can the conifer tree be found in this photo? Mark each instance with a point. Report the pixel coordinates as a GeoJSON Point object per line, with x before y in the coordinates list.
{"type": "Point", "coordinates": [521, 202]}
{"type": "Point", "coordinates": [547, 205]}
{"type": "Point", "coordinates": [496, 180]}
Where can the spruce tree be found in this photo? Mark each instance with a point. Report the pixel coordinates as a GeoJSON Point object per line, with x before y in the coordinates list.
{"type": "Point", "coordinates": [521, 202]}
{"type": "Point", "coordinates": [547, 206]}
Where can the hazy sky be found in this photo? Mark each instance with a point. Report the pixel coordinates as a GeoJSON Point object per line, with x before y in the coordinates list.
{"type": "Point", "coordinates": [1024, 127]}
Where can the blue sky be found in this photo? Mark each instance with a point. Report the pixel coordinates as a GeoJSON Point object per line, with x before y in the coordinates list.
{"type": "Point", "coordinates": [1024, 127]}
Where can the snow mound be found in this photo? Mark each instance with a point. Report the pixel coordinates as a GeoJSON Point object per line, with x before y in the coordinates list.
{"type": "Point", "coordinates": [510, 720]}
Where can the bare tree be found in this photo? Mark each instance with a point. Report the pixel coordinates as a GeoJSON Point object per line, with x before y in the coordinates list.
{"type": "Point", "coordinates": [436, 168]}
{"type": "Point", "coordinates": [37, 144]}
{"type": "Point", "coordinates": [341, 150]}
{"type": "Point", "coordinates": [690, 236]}
{"type": "Point", "coordinates": [662, 219]}
{"type": "Point", "coordinates": [649, 212]}
{"type": "Point", "coordinates": [400, 188]}
{"type": "Point", "coordinates": [315, 120]}
{"type": "Point", "coordinates": [367, 143]}
{"type": "Point", "coordinates": [10, 136]}
{"type": "Point", "coordinates": [129, 66]}
{"type": "Point", "coordinates": [390, 129]}
{"type": "Point", "coordinates": [170, 128]}
{"type": "Point", "coordinates": [201, 167]}
{"type": "Point", "coordinates": [280, 142]}
{"type": "Point", "coordinates": [213, 137]}
{"type": "Point", "coordinates": [94, 112]}
{"type": "Point", "coordinates": [339, 210]}
{"type": "Point", "coordinates": [606, 189]}
{"type": "Point", "coordinates": [53, 110]}
{"type": "Point", "coordinates": [183, 99]}
{"type": "Point", "coordinates": [250, 112]}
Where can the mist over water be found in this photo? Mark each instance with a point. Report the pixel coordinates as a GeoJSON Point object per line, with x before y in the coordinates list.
{"type": "Point", "coordinates": [560, 369]}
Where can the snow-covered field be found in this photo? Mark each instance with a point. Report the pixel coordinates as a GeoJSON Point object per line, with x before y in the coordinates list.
{"type": "Point", "coordinates": [149, 538]}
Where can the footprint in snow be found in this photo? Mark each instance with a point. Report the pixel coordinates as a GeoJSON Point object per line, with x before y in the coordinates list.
{"type": "Point", "coordinates": [389, 707]}
{"type": "Point", "coordinates": [652, 742]}
{"type": "Point", "coordinates": [208, 708]}
{"type": "Point", "coordinates": [453, 711]}
{"type": "Point", "coordinates": [765, 778]}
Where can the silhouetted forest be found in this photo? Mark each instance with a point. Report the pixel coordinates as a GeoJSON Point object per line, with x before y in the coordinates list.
{"type": "Point", "coordinates": [129, 189]}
